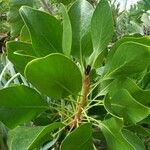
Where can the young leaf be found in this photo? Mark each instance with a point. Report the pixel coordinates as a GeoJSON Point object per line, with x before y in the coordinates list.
{"type": "Point", "coordinates": [54, 75]}
{"type": "Point", "coordinates": [29, 138]}
{"type": "Point", "coordinates": [79, 139]}
{"type": "Point", "coordinates": [19, 104]}
{"type": "Point", "coordinates": [101, 26]}
{"type": "Point", "coordinates": [45, 30]}
{"type": "Point", "coordinates": [67, 32]}
{"type": "Point", "coordinates": [20, 53]}
{"type": "Point", "coordinates": [80, 15]}
{"type": "Point", "coordinates": [112, 130]}
{"type": "Point", "coordinates": [122, 104]}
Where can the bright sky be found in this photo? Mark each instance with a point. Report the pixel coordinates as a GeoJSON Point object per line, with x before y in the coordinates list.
{"type": "Point", "coordinates": [129, 3]}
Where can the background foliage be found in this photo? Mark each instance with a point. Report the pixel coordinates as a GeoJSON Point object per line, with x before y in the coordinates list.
{"type": "Point", "coordinates": [73, 76]}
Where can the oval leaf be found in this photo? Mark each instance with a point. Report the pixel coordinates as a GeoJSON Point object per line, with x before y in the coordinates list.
{"type": "Point", "coordinates": [54, 75]}
{"type": "Point", "coordinates": [101, 26]}
{"type": "Point", "coordinates": [45, 30]}
{"type": "Point", "coordinates": [29, 138]}
{"type": "Point", "coordinates": [122, 104]}
{"type": "Point", "coordinates": [128, 59]}
{"type": "Point", "coordinates": [79, 139]}
{"type": "Point", "coordinates": [112, 130]}
{"type": "Point", "coordinates": [19, 104]}
{"type": "Point", "coordinates": [67, 32]}
{"type": "Point", "coordinates": [80, 15]}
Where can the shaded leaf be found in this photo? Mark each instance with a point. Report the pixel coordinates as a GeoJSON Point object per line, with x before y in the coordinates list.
{"type": "Point", "coordinates": [20, 53]}
{"type": "Point", "coordinates": [122, 104]}
{"type": "Point", "coordinates": [14, 18]}
{"type": "Point", "coordinates": [116, 140]}
{"type": "Point", "coordinates": [19, 104]}
{"type": "Point", "coordinates": [79, 139]}
{"type": "Point", "coordinates": [29, 138]}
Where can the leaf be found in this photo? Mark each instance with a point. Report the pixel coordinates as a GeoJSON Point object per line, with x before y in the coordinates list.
{"type": "Point", "coordinates": [79, 139]}
{"type": "Point", "coordinates": [29, 138]}
{"type": "Point", "coordinates": [122, 104]}
{"type": "Point", "coordinates": [141, 40]}
{"type": "Point", "coordinates": [25, 35]}
{"type": "Point", "coordinates": [19, 104]}
{"type": "Point", "coordinates": [67, 32]}
{"type": "Point", "coordinates": [139, 130]}
{"type": "Point", "coordinates": [14, 18]}
{"type": "Point", "coordinates": [54, 75]}
{"type": "Point", "coordinates": [20, 53]}
{"type": "Point", "coordinates": [133, 139]}
{"type": "Point", "coordinates": [129, 58]}
{"type": "Point", "coordinates": [116, 140]}
{"type": "Point", "coordinates": [45, 30]}
{"type": "Point", "coordinates": [101, 26]}
{"type": "Point", "coordinates": [140, 95]}
{"type": "Point", "coordinates": [80, 15]}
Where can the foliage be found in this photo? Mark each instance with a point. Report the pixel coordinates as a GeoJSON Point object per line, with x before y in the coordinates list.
{"type": "Point", "coordinates": [74, 89]}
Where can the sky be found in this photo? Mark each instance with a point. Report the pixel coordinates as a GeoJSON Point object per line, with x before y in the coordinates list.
{"type": "Point", "coordinates": [129, 3]}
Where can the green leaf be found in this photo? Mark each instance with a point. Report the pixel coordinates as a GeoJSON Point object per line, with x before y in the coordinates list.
{"type": "Point", "coordinates": [29, 138]}
{"type": "Point", "coordinates": [139, 130]}
{"type": "Point", "coordinates": [133, 139]}
{"type": "Point", "coordinates": [79, 139]}
{"type": "Point", "coordinates": [54, 75]}
{"type": "Point", "coordinates": [19, 104]}
{"type": "Point", "coordinates": [80, 15]}
{"type": "Point", "coordinates": [141, 40]}
{"type": "Point", "coordinates": [20, 53]}
{"type": "Point", "coordinates": [67, 32]}
{"type": "Point", "coordinates": [101, 26]}
{"type": "Point", "coordinates": [25, 35]}
{"type": "Point", "coordinates": [122, 104]}
{"type": "Point", "coordinates": [116, 140]}
{"type": "Point", "coordinates": [14, 18]}
{"type": "Point", "coordinates": [129, 58]}
{"type": "Point", "coordinates": [45, 30]}
{"type": "Point", "coordinates": [140, 95]}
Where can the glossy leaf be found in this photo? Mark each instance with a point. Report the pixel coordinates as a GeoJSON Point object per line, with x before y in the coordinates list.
{"type": "Point", "coordinates": [19, 104]}
{"type": "Point", "coordinates": [116, 140]}
{"type": "Point", "coordinates": [45, 30]}
{"type": "Point", "coordinates": [20, 53]}
{"type": "Point", "coordinates": [128, 59]}
{"type": "Point", "coordinates": [67, 32]}
{"type": "Point", "coordinates": [14, 18]}
{"type": "Point", "coordinates": [31, 137]}
{"type": "Point", "coordinates": [79, 139]}
{"type": "Point", "coordinates": [54, 75]}
{"type": "Point", "coordinates": [101, 26]}
{"type": "Point", "coordinates": [80, 15]}
{"type": "Point", "coordinates": [122, 104]}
